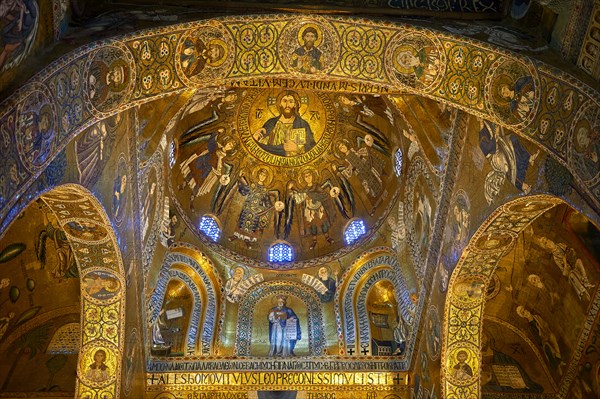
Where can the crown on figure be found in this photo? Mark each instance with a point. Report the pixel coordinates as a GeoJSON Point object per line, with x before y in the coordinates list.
{"type": "Point", "coordinates": [282, 297]}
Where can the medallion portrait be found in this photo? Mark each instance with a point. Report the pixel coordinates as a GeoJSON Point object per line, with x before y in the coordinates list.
{"type": "Point", "coordinates": [204, 53]}
{"type": "Point", "coordinates": [109, 78]}
{"type": "Point", "coordinates": [468, 290]}
{"type": "Point", "coordinates": [98, 366]}
{"type": "Point", "coordinates": [512, 92]}
{"type": "Point", "coordinates": [286, 127]}
{"type": "Point", "coordinates": [494, 241]}
{"type": "Point", "coordinates": [415, 60]}
{"type": "Point", "coordinates": [462, 364]}
{"type": "Point", "coordinates": [36, 128]}
{"type": "Point", "coordinates": [101, 285]}
{"type": "Point", "coordinates": [82, 230]}
{"type": "Point", "coordinates": [308, 47]}
{"type": "Point", "coordinates": [584, 146]}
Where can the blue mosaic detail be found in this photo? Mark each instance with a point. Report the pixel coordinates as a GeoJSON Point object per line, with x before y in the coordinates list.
{"type": "Point", "coordinates": [398, 162]}
{"type": "Point", "coordinates": [171, 154]}
{"type": "Point", "coordinates": [354, 231]}
{"type": "Point", "coordinates": [281, 252]}
{"type": "Point", "coordinates": [210, 228]}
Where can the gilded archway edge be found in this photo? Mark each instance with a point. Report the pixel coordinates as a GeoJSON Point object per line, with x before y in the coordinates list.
{"type": "Point", "coordinates": [463, 318]}
{"type": "Point", "coordinates": [155, 70]}
{"type": "Point", "coordinates": [103, 317]}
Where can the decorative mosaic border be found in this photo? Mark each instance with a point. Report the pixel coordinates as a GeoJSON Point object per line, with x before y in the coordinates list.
{"type": "Point", "coordinates": [463, 316]}
{"type": "Point", "coordinates": [103, 318]}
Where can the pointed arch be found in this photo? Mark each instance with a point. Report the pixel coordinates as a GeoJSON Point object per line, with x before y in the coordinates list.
{"type": "Point", "coordinates": [380, 262]}
{"type": "Point", "coordinates": [191, 347]}
{"type": "Point", "coordinates": [96, 250]}
{"type": "Point", "coordinates": [463, 315]}
{"type": "Point", "coordinates": [316, 328]}
{"type": "Point", "coordinates": [204, 277]}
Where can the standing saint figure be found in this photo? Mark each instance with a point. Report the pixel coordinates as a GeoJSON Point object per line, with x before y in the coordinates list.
{"type": "Point", "coordinates": [231, 286]}
{"type": "Point", "coordinates": [119, 186]}
{"type": "Point", "coordinates": [541, 330]}
{"type": "Point", "coordinates": [284, 329]}
{"type": "Point", "coordinates": [507, 156]}
{"type": "Point", "coordinates": [307, 58]}
{"type": "Point", "coordinates": [286, 134]}
{"type": "Point", "coordinates": [316, 212]}
{"type": "Point", "coordinates": [329, 283]}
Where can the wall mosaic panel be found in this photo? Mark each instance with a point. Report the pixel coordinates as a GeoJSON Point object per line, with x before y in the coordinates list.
{"type": "Point", "coordinates": [461, 356]}
{"type": "Point", "coordinates": [102, 289]}
{"type": "Point", "coordinates": [509, 100]}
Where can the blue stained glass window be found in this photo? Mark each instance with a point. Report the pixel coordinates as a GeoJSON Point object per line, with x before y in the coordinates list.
{"type": "Point", "coordinates": [210, 228]}
{"type": "Point", "coordinates": [354, 231]}
{"type": "Point", "coordinates": [281, 252]}
{"type": "Point", "coordinates": [398, 162]}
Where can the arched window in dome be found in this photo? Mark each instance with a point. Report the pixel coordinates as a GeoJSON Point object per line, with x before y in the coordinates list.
{"type": "Point", "coordinates": [65, 340]}
{"type": "Point", "coordinates": [210, 228]}
{"type": "Point", "coordinates": [354, 231]}
{"type": "Point", "coordinates": [398, 162]}
{"type": "Point", "coordinates": [281, 252]}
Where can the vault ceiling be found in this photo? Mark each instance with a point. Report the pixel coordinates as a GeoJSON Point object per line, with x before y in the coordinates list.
{"type": "Point", "coordinates": [208, 146]}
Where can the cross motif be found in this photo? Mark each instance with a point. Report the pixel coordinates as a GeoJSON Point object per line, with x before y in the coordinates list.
{"type": "Point", "coordinates": [397, 379]}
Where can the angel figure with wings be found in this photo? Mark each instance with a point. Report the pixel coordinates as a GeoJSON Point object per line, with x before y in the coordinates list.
{"type": "Point", "coordinates": [367, 165]}
{"type": "Point", "coordinates": [203, 169]}
{"type": "Point", "coordinates": [258, 206]}
{"type": "Point", "coordinates": [317, 211]}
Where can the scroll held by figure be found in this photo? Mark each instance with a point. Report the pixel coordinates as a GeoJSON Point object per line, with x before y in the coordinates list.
{"type": "Point", "coordinates": [284, 329]}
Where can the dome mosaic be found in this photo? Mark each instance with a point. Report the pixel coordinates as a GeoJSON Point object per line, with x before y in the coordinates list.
{"type": "Point", "coordinates": [273, 166]}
